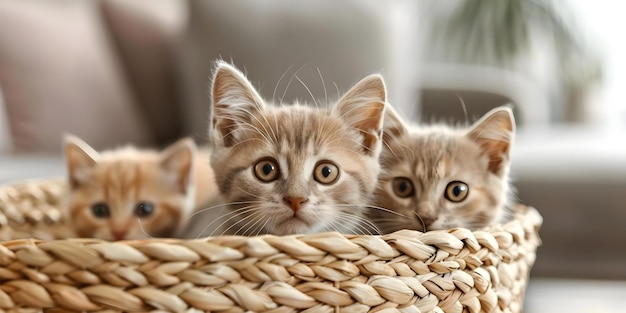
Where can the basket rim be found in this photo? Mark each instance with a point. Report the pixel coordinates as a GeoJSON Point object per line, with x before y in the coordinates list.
{"type": "Point", "coordinates": [519, 213]}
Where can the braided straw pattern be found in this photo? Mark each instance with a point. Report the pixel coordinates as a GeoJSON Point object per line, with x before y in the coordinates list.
{"type": "Point", "coordinates": [438, 271]}
{"type": "Point", "coordinates": [30, 209]}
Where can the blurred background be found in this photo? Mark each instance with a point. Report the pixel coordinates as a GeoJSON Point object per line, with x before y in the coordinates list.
{"type": "Point", "coordinates": [116, 72]}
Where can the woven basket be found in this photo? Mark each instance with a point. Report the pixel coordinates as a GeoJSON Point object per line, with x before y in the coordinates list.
{"type": "Point", "coordinates": [438, 271]}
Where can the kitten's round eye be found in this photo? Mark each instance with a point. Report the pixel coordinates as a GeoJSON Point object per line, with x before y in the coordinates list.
{"type": "Point", "coordinates": [100, 210]}
{"type": "Point", "coordinates": [456, 191]}
{"type": "Point", "coordinates": [326, 172]}
{"type": "Point", "coordinates": [403, 187]}
{"type": "Point", "coordinates": [266, 170]}
{"type": "Point", "coordinates": [144, 209]}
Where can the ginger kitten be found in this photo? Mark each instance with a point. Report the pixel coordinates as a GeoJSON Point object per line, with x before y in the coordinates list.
{"type": "Point", "coordinates": [128, 193]}
{"type": "Point", "coordinates": [293, 169]}
{"type": "Point", "coordinates": [440, 177]}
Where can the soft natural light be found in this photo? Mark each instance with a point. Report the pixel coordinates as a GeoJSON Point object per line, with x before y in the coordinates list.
{"type": "Point", "coordinates": [604, 23]}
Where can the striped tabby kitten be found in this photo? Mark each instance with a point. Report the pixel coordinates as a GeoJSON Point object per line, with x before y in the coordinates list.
{"type": "Point", "coordinates": [291, 169]}
{"type": "Point", "coordinates": [440, 177]}
{"type": "Point", "coordinates": [129, 193]}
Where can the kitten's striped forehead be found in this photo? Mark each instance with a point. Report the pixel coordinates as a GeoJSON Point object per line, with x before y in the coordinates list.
{"type": "Point", "coordinates": [123, 175]}
{"type": "Point", "coordinates": [426, 156]}
{"type": "Point", "coordinates": [122, 180]}
{"type": "Point", "coordinates": [300, 130]}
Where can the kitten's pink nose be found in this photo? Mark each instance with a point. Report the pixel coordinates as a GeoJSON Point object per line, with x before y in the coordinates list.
{"type": "Point", "coordinates": [295, 202]}
{"type": "Point", "coordinates": [119, 234]}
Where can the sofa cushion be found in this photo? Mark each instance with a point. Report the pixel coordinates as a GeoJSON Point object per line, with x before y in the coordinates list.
{"type": "Point", "coordinates": [146, 33]}
{"type": "Point", "coordinates": [5, 136]}
{"type": "Point", "coordinates": [59, 74]}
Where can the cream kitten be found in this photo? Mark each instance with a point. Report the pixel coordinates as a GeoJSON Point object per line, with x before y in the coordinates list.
{"type": "Point", "coordinates": [289, 169]}
{"type": "Point", "coordinates": [129, 193]}
{"type": "Point", "coordinates": [440, 177]}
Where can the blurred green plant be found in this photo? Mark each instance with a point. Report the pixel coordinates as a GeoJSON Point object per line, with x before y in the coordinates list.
{"type": "Point", "coordinates": [497, 32]}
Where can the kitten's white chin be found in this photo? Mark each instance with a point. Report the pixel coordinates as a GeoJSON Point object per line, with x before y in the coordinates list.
{"type": "Point", "coordinates": [294, 225]}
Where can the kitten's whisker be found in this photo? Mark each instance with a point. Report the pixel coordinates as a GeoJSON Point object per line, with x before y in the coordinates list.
{"type": "Point", "coordinates": [324, 86]}
{"type": "Point", "coordinates": [464, 108]}
{"type": "Point", "coordinates": [360, 225]}
{"type": "Point", "coordinates": [142, 229]}
{"type": "Point", "coordinates": [257, 130]}
{"type": "Point", "coordinates": [357, 227]}
{"type": "Point", "coordinates": [373, 207]}
{"type": "Point", "coordinates": [308, 90]}
{"type": "Point", "coordinates": [362, 221]}
{"type": "Point", "coordinates": [229, 219]}
{"type": "Point", "coordinates": [267, 219]}
{"type": "Point", "coordinates": [290, 80]}
{"type": "Point", "coordinates": [275, 121]}
{"type": "Point", "coordinates": [385, 222]}
{"type": "Point", "coordinates": [342, 216]}
{"type": "Point", "coordinates": [265, 134]}
{"type": "Point", "coordinates": [356, 108]}
{"type": "Point", "coordinates": [325, 130]}
{"type": "Point", "coordinates": [246, 220]}
{"type": "Point", "coordinates": [254, 139]}
{"type": "Point", "coordinates": [278, 82]}
{"type": "Point", "coordinates": [253, 195]}
{"type": "Point", "coordinates": [239, 120]}
{"type": "Point", "coordinates": [332, 227]}
{"type": "Point", "coordinates": [247, 126]}
{"type": "Point", "coordinates": [232, 214]}
{"type": "Point", "coordinates": [247, 227]}
{"type": "Point", "coordinates": [251, 216]}
{"type": "Point", "coordinates": [269, 125]}
{"type": "Point", "coordinates": [387, 219]}
{"type": "Point", "coordinates": [351, 151]}
{"type": "Point", "coordinates": [390, 150]}
{"type": "Point", "coordinates": [258, 226]}
{"type": "Point", "coordinates": [265, 126]}
{"type": "Point", "coordinates": [360, 143]}
{"type": "Point", "coordinates": [365, 222]}
{"type": "Point", "coordinates": [392, 225]}
{"type": "Point", "coordinates": [410, 150]}
{"type": "Point", "coordinates": [421, 220]}
{"type": "Point", "coordinates": [239, 210]}
{"type": "Point", "coordinates": [222, 205]}
{"type": "Point", "coordinates": [334, 129]}
{"type": "Point", "coordinates": [337, 89]}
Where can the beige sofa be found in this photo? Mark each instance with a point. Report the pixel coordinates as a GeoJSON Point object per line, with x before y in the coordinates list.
{"type": "Point", "coordinates": [115, 71]}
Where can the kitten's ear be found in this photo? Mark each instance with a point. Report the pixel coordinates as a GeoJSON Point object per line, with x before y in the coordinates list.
{"type": "Point", "coordinates": [177, 161]}
{"type": "Point", "coordinates": [363, 108]}
{"type": "Point", "coordinates": [234, 102]}
{"type": "Point", "coordinates": [494, 132]}
{"type": "Point", "coordinates": [394, 125]}
{"type": "Point", "coordinates": [80, 159]}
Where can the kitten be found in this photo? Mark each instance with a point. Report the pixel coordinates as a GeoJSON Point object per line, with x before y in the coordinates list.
{"type": "Point", "coordinates": [293, 169]}
{"type": "Point", "coordinates": [440, 177]}
{"type": "Point", "coordinates": [128, 193]}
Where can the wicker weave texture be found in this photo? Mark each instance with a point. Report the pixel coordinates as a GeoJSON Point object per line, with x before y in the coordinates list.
{"type": "Point", "coordinates": [438, 271]}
